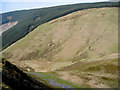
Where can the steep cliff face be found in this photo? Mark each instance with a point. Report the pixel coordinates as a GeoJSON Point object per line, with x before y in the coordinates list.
{"type": "Point", "coordinates": [18, 80]}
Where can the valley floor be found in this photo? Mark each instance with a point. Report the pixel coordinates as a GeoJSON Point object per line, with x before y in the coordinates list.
{"type": "Point", "coordinates": [100, 73]}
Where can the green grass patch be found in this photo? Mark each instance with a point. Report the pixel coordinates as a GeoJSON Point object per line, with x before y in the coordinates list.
{"type": "Point", "coordinates": [112, 82]}
{"type": "Point", "coordinates": [52, 76]}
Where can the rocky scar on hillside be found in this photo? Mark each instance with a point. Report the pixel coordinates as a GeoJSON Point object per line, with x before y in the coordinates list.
{"type": "Point", "coordinates": [18, 80]}
{"type": "Point", "coordinates": [6, 26]}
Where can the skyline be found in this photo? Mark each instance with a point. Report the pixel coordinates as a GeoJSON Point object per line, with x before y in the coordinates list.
{"type": "Point", "coordinates": [13, 5]}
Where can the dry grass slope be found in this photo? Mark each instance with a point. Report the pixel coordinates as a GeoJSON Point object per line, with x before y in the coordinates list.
{"type": "Point", "coordinates": [80, 45]}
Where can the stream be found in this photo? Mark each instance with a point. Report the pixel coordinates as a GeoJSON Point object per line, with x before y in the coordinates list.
{"type": "Point", "coordinates": [52, 82]}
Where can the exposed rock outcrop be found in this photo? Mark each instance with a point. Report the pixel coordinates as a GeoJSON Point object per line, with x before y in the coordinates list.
{"type": "Point", "coordinates": [7, 26]}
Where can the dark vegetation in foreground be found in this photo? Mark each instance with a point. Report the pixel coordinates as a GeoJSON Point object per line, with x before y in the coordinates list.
{"type": "Point", "coordinates": [18, 80]}
{"type": "Point", "coordinates": [28, 20]}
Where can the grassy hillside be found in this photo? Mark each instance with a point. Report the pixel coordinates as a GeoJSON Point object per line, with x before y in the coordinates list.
{"type": "Point", "coordinates": [28, 20]}
{"type": "Point", "coordinates": [81, 47]}
{"type": "Point", "coordinates": [83, 34]}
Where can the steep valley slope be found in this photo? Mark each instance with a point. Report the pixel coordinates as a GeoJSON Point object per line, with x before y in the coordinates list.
{"type": "Point", "coordinates": [30, 19]}
{"type": "Point", "coordinates": [81, 47]}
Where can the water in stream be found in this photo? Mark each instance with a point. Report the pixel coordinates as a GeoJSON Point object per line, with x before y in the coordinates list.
{"type": "Point", "coordinates": [52, 81]}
